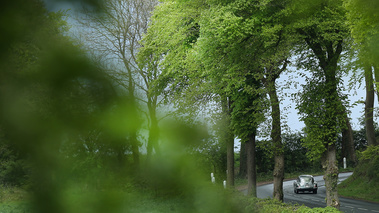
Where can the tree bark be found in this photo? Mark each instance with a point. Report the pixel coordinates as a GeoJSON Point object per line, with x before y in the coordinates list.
{"type": "Point", "coordinates": [376, 75]}
{"type": "Point", "coordinates": [331, 176]}
{"type": "Point", "coordinates": [348, 147]}
{"type": "Point", "coordinates": [251, 167]}
{"type": "Point", "coordinates": [229, 140]}
{"type": "Point", "coordinates": [243, 161]}
{"type": "Point", "coordinates": [369, 106]}
{"type": "Point", "coordinates": [277, 142]}
{"type": "Point", "coordinates": [152, 143]}
{"type": "Point", "coordinates": [230, 162]}
{"type": "Point", "coordinates": [330, 160]}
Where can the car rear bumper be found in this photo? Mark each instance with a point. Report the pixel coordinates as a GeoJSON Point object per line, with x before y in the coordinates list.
{"type": "Point", "coordinates": [306, 188]}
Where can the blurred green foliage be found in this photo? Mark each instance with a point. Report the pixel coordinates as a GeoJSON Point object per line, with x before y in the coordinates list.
{"type": "Point", "coordinates": [62, 114]}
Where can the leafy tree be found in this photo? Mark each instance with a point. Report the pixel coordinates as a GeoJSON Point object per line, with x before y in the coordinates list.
{"type": "Point", "coordinates": [169, 42]}
{"type": "Point", "coordinates": [66, 101]}
{"type": "Point", "coordinates": [321, 25]}
{"type": "Point", "coordinates": [247, 115]}
{"type": "Point", "coordinates": [364, 29]}
{"type": "Point", "coordinates": [242, 45]}
{"type": "Point", "coordinates": [251, 42]}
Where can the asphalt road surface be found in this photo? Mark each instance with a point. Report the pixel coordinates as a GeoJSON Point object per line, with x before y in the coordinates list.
{"type": "Point", "coordinates": [318, 200]}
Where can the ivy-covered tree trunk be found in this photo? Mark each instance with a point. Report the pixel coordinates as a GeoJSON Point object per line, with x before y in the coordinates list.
{"type": "Point", "coordinates": [251, 167]}
{"type": "Point", "coordinates": [332, 101]}
{"type": "Point", "coordinates": [369, 107]}
{"type": "Point", "coordinates": [331, 176]}
{"type": "Point", "coordinates": [328, 53]}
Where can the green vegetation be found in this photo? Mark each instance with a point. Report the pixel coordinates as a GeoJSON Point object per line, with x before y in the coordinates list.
{"type": "Point", "coordinates": [364, 182]}
{"type": "Point", "coordinates": [14, 199]}
{"type": "Point", "coordinates": [268, 205]}
{"type": "Point", "coordinates": [134, 112]}
{"type": "Point", "coordinates": [118, 201]}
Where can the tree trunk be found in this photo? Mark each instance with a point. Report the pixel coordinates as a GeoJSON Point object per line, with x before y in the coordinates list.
{"type": "Point", "coordinates": [348, 148]}
{"type": "Point", "coordinates": [229, 141]}
{"type": "Point", "coordinates": [376, 75]}
{"type": "Point", "coordinates": [243, 161]}
{"type": "Point", "coordinates": [369, 106]}
{"type": "Point", "coordinates": [133, 109]}
{"type": "Point", "coordinates": [251, 167]}
{"type": "Point", "coordinates": [331, 176]}
{"type": "Point", "coordinates": [277, 142]}
{"type": "Point", "coordinates": [152, 143]}
{"type": "Point", "coordinates": [230, 160]}
{"type": "Point", "coordinates": [278, 177]}
{"type": "Point", "coordinates": [329, 162]}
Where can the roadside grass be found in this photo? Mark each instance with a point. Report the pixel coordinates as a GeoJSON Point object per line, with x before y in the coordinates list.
{"type": "Point", "coordinates": [359, 189]}
{"type": "Point", "coordinates": [214, 199]}
{"type": "Point", "coordinates": [274, 206]}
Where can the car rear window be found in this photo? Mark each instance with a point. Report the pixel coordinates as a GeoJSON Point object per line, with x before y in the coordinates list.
{"type": "Point", "coordinates": [305, 179]}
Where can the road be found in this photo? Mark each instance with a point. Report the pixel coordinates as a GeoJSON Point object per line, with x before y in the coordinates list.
{"type": "Point", "coordinates": [318, 200]}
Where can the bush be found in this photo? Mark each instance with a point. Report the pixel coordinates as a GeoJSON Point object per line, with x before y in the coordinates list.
{"type": "Point", "coordinates": [369, 163]}
{"type": "Point", "coordinates": [13, 173]}
{"type": "Point", "coordinates": [13, 170]}
{"type": "Point", "coordinates": [363, 183]}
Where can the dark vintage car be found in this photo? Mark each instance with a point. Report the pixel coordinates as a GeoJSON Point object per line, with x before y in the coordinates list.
{"type": "Point", "coordinates": [305, 183]}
